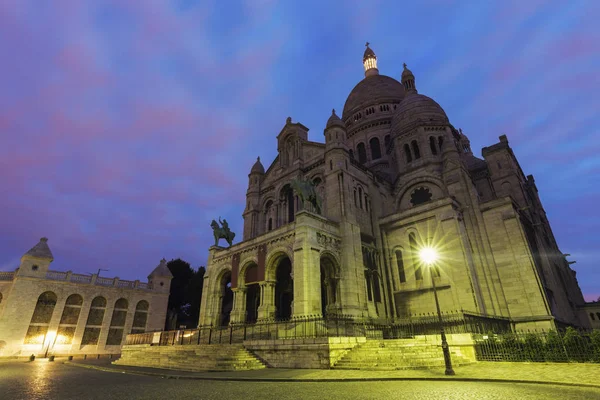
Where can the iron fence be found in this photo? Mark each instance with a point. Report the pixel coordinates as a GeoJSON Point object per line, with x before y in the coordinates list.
{"type": "Point", "coordinates": [551, 346]}
{"type": "Point", "coordinates": [331, 326]}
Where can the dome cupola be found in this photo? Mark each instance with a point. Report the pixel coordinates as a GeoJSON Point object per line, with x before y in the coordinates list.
{"type": "Point", "coordinates": [334, 120]}
{"type": "Point", "coordinates": [257, 168]}
{"type": "Point", "coordinates": [408, 80]}
{"type": "Point", "coordinates": [370, 62]}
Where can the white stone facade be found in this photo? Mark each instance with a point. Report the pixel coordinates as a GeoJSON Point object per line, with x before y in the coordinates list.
{"type": "Point", "coordinates": [44, 312]}
{"type": "Point", "coordinates": [394, 176]}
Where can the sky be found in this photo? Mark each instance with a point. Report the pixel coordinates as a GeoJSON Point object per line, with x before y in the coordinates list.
{"type": "Point", "coordinates": [127, 126]}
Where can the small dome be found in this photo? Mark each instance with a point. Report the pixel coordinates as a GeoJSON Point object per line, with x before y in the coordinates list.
{"type": "Point", "coordinates": [372, 90]}
{"type": "Point", "coordinates": [417, 110]}
{"type": "Point", "coordinates": [257, 168]}
{"type": "Point", "coordinates": [407, 72]}
{"type": "Point", "coordinates": [334, 120]}
{"type": "Point", "coordinates": [161, 270]}
{"type": "Point", "coordinates": [41, 250]}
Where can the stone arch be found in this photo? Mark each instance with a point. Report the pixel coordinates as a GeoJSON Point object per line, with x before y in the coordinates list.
{"type": "Point", "coordinates": [375, 148]}
{"type": "Point", "coordinates": [329, 277]}
{"type": "Point", "coordinates": [404, 195]}
{"type": "Point", "coordinates": [40, 320]}
{"type": "Point", "coordinates": [223, 296]}
{"type": "Point", "coordinates": [140, 317]}
{"type": "Point", "coordinates": [69, 319]}
{"type": "Point", "coordinates": [399, 257]}
{"type": "Point", "coordinates": [273, 258]}
{"type": "Point", "coordinates": [117, 322]}
{"type": "Point", "coordinates": [279, 269]}
{"type": "Point", "coordinates": [287, 200]}
{"type": "Point", "coordinates": [93, 325]}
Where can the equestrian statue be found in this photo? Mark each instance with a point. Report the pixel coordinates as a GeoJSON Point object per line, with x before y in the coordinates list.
{"type": "Point", "coordinates": [306, 190]}
{"type": "Point", "coordinates": [222, 232]}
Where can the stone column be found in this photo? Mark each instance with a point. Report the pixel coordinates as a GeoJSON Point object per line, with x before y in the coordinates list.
{"type": "Point", "coordinates": [238, 312]}
{"type": "Point", "coordinates": [266, 310]}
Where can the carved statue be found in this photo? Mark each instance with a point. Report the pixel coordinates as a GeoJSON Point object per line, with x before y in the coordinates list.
{"type": "Point", "coordinates": [307, 192]}
{"type": "Point", "coordinates": [222, 232]}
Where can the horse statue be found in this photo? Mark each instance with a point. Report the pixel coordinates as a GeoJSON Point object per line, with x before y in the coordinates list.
{"type": "Point", "coordinates": [307, 192]}
{"type": "Point", "coordinates": [222, 232]}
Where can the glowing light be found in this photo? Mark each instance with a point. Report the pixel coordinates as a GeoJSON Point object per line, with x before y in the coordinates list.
{"type": "Point", "coordinates": [428, 255]}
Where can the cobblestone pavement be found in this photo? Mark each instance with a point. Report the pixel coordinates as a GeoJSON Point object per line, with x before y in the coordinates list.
{"type": "Point", "coordinates": [566, 373]}
{"type": "Point", "coordinates": [44, 380]}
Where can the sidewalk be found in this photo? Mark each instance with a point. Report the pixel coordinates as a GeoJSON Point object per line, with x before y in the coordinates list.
{"type": "Point", "coordinates": [571, 374]}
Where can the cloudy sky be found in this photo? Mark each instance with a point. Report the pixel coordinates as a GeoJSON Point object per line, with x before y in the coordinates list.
{"type": "Point", "coordinates": [126, 126]}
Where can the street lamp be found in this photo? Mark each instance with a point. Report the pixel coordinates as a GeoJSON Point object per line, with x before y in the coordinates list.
{"type": "Point", "coordinates": [429, 256]}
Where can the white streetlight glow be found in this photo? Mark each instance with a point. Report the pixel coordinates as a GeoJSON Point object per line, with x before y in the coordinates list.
{"type": "Point", "coordinates": [428, 255]}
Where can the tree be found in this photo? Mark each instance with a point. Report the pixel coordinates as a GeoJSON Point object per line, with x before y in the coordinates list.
{"type": "Point", "coordinates": [185, 294]}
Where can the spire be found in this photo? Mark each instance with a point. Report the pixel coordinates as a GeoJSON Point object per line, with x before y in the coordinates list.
{"type": "Point", "coordinates": [408, 80]}
{"type": "Point", "coordinates": [161, 270]}
{"type": "Point", "coordinates": [41, 250]}
{"type": "Point", "coordinates": [370, 61]}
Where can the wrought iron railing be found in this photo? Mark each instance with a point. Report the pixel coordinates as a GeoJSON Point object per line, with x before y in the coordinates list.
{"type": "Point", "coordinates": [550, 346]}
{"type": "Point", "coordinates": [332, 326]}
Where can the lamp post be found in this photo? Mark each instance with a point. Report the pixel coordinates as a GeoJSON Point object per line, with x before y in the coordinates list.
{"type": "Point", "coordinates": [429, 256]}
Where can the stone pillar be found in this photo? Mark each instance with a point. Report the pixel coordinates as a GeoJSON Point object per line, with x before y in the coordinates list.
{"type": "Point", "coordinates": [238, 312]}
{"type": "Point", "coordinates": [307, 282]}
{"type": "Point", "coordinates": [266, 310]}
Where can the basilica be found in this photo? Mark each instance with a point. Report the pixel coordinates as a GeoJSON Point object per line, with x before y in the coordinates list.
{"type": "Point", "coordinates": [392, 177]}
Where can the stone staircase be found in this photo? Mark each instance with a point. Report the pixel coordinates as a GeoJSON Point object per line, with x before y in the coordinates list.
{"type": "Point", "coordinates": [205, 357]}
{"type": "Point", "coordinates": [393, 354]}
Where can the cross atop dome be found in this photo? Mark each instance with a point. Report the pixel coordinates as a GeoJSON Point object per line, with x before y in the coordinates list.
{"type": "Point", "coordinates": [370, 61]}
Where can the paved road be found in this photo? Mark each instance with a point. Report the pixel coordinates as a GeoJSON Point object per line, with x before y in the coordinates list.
{"type": "Point", "coordinates": [44, 380]}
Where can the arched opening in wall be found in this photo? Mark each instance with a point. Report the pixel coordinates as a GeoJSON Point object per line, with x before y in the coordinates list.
{"type": "Point", "coordinates": [69, 319]}
{"type": "Point", "coordinates": [252, 293]}
{"type": "Point", "coordinates": [329, 283]}
{"type": "Point", "coordinates": [360, 202]}
{"type": "Point", "coordinates": [268, 212]}
{"type": "Point", "coordinates": [93, 326]}
{"type": "Point", "coordinates": [420, 195]}
{"type": "Point", "coordinates": [415, 148]}
{"type": "Point", "coordinates": [375, 148]}
{"type": "Point", "coordinates": [140, 317]}
{"type": "Point", "coordinates": [286, 198]}
{"type": "Point", "coordinates": [400, 266]}
{"type": "Point", "coordinates": [40, 320]}
{"type": "Point", "coordinates": [414, 253]}
{"type": "Point", "coordinates": [440, 142]}
{"type": "Point", "coordinates": [226, 295]}
{"type": "Point", "coordinates": [371, 275]}
{"type": "Point", "coordinates": [117, 323]}
{"type": "Point", "coordinates": [432, 145]}
{"type": "Point", "coordinates": [355, 199]}
{"type": "Point", "coordinates": [386, 142]}
{"type": "Point", "coordinates": [284, 290]}
{"type": "Point", "coordinates": [362, 153]}
{"type": "Point", "coordinates": [407, 153]}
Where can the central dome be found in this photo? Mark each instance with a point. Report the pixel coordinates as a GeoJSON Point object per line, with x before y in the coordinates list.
{"type": "Point", "coordinates": [372, 90]}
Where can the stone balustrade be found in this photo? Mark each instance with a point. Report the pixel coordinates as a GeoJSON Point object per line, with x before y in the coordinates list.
{"type": "Point", "coordinates": [7, 275]}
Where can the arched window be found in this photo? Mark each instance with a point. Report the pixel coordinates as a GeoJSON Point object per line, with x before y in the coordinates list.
{"type": "Point", "coordinates": [415, 257]}
{"type": "Point", "coordinates": [415, 148]}
{"type": "Point", "coordinates": [360, 198]}
{"type": "Point", "coordinates": [355, 199]}
{"type": "Point", "coordinates": [362, 153]}
{"type": "Point", "coordinates": [38, 327]}
{"type": "Point", "coordinates": [140, 317]}
{"type": "Point", "coordinates": [420, 196]}
{"type": "Point", "coordinates": [375, 148]}
{"type": "Point", "coordinates": [386, 142]}
{"type": "Point", "coordinates": [69, 319]}
{"type": "Point", "coordinates": [366, 203]}
{"type": "Point", "coordinates": [400, 264]}
{"type": "Point", "coordinates": [407, 153]}
{"type": "Point", "coordinates": [432, 145]}
{"type": "Point", "coordinates": [270, 224]}
{"type": "Point", "coordinates": [268, 215]}
{"type": "Point", "coordinates": [117, 323]}
{"type": "Point", "coordinates": [93, 326]}
{"type": "Point", "coordinates": [330, 165]}
{"type": "Point", "coordinates": [440, 142]}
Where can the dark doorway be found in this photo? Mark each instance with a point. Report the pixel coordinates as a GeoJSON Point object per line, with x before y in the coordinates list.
{"type": "Point", "coordinates": [252, 302]}
{"type": "Point", "coordinates": [226, 300]}
{"type": "Point", "coordinates": [284, 290]}
{"type": "Point", "coordinates": [328, 284]}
